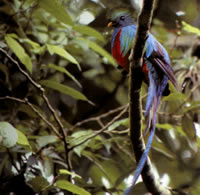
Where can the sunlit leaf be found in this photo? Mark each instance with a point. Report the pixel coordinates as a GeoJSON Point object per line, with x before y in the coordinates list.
{"type": "Point", "coordinates": [57, 10]}
{"type": "Point", "coordinates": [81, 137]}
{"type": "Point", "coordinates": [189, 28]}
{"type": "Point", "coordinates": [13, 35]}
{"type": "Point", "coordinates": [63, 70]}
{"type": "Point", "coordinates": [34, 44]}
{"type": "Point", "coordinates": [100, 50]}
{"type": "Point", "coordinates": [65, 185]}
{"type": "Point", "coordinates": [48, 166]}
{"type": "Point", "coordinates": [19, 51]}
{"type": "Point", "coordinates": [65, 171]}
{"type": "Point", "coordinates": [89, 31]}
{"type": "Point", "coordinates": [165, 126]}
{"type": "Point", "coordinates": [175, 97]}
{"type": "Point", "coordinates": [22, 140]}
{"type": "Point", "coordinates": [64, 89]}
{"type": "Point", "coordinates": [29, 2]}
{"type": "Point", "coordinates": [54, 49]}
{"type": "Point", "coordinates": [194, 106]}
{"type": "Point", "coordinates": [180, 130]}
{"type": "Point", "coordinates": [47, 139]}
{"type": "Point", "coordinates": [116, 124]}
{"type": "Point", "coordinates": [9, 134]}
{"type": "Point", "coordinates": [36, 48]}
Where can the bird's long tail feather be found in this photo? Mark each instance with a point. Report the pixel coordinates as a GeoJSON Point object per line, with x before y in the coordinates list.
{"type": "Point", "coordinates": [157, 85]}
{"type": "Point", "coordinates": [141, 162]}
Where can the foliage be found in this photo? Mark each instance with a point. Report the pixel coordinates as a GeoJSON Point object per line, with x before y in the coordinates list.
{"type": "Point", "coordinates": [64, 113]}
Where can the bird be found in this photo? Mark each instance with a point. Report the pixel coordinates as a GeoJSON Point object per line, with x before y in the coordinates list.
{"type": "Point", "coordinates": [156, 68]}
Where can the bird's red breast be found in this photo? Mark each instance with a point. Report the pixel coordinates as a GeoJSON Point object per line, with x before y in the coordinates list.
{"type": "Point", "coordinates": [117, 54]}
{"type": "Point", "coordinates": [123, 60]}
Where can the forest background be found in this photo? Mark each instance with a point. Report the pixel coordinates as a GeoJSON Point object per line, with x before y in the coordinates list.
{"type": "Point", "coordinates": [64, 104]}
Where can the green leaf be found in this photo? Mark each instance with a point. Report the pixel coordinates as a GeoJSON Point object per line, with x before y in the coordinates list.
{"type": "Point", "coordinates": [104, 169]}
{"type": "Point", "coordinates": [27, 3]}
{"type": "Point", "coordinates": [161, 148]}
{"type": "Point", "coordinates": [89, 31]}
{"type": "Point", "coordinates": [194, 106]}
{"type": "Point", "coordinates": [81, 137]}
{"type": "Point", "coordinates": [165, 126]}
{"type": "Point", "coordinates": [19, 51]}
{"type": "Point", "coordinates": [116, 124]}
{"type": "Point", "coordinates": [139, 188]}
{"type": "Point", "coordinates": [13, 35]}
{"type": "Point", "coordinates": [64, 89]}
{"type": "Point", "coordinates": [38, 183]}
{"type": "Point", "coordinates": [177, 96]}
{"type": "Point", "coordinates": [188, 126]}
{"type": "Point", "coordinates": [34, 45]}
{"type": "Point", "coordinates": [36, 48]}
{"type": "Point", "coordinates": [190, 29]}
{"type": "Point", "coordinates": [47, 139]}
{"type": "Point", "coordinates": [63, 70]}
{"type": "Point", "coordinates": [65, 185]}
{"type": "Point", "coordinates": [100, 50]}
{"type": "Point", "coordinates": [54, 49]}
{"type": "Point", "coordinates": [180, 130]}
{"type": "Point", "coordinates": [57, 10]}
{"type": "Point", "coordinates": [22, 140]}
{"type": "Point", "coordinates": [65, 171]}
{"type": "Point", "coordinates": [28, 111]}
{"type": "Point", "coordinates": [9, 134]}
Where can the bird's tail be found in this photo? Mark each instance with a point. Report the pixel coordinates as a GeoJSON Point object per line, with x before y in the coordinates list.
{"type": "Point", "coordinates": [156, 87]}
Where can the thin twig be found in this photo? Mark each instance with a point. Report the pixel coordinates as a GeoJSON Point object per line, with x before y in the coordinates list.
{"type": "Point", "coordinates": [38, 86]}
{"type": "Point", "coordinates": [120, 132]}
{"type": "Point", "coordinates": [25, 101]}
{"type": "Point", "coordinates": [52, 110]}
{"type": "Point", "coordinates": [98, 132]}
{"type": "Point", "coordinates": [78, 124]}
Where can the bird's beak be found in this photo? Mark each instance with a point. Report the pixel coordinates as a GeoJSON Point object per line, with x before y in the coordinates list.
{"type": "Point", "coordinates": [109, 24]}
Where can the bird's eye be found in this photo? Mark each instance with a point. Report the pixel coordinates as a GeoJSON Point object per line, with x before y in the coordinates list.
{"type": "Point", "coordinates": [122, 17]}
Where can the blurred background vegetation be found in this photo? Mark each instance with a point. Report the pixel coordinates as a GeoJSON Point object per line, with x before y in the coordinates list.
{"type": "Point", "coordinates": [76, 92]}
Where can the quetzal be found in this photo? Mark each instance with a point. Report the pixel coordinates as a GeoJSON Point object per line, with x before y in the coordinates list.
{"type": "Point", "coordinates": [156, 69]}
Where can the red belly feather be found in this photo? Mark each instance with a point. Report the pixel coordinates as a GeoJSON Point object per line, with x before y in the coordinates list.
{"type": "Point", "coordinates": [122, 60]}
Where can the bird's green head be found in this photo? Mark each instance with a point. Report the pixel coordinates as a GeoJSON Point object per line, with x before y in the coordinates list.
{"type": "Point", "coordinates": [120, 18]}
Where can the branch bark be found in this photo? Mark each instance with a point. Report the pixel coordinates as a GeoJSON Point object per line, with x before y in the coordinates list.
{"type": "Point", "coordinates": [135, 82]}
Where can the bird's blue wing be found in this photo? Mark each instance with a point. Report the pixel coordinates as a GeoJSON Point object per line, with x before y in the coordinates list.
{"type": "Point", "coordinates": [158, 55]}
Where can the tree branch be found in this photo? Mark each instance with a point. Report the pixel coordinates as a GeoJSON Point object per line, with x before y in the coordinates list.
{"type": "Point", "coordinates": [103, 128]}
{"type": "Point", "coordinates": [135, 81]}
{"type": "Point", "coordinates": [52, 110]}
{"type": "Point", "coordinates": [25, 101]}
{"type": "Point", "coordinates": [98, 118]}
